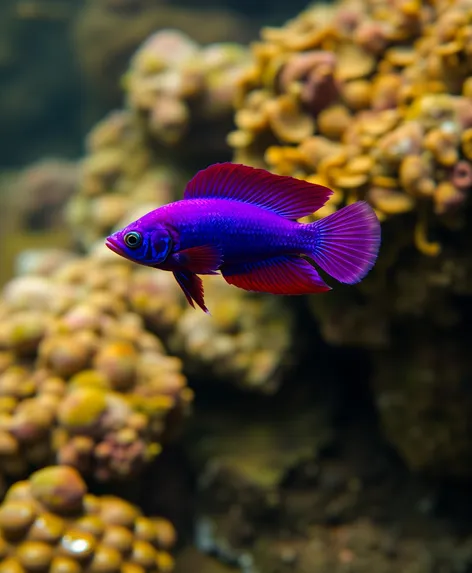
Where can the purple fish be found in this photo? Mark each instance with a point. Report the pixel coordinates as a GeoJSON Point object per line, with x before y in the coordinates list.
{"type": "Point", "coordinates": [242, 222]}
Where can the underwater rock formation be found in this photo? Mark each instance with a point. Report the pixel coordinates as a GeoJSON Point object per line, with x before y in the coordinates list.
{"type": "Point", "coordinates": [184, 92]}
{"type": "Point", "coordinates": [51, 523]}
{"type": "Point", "coordinates": [359, 547]}
{"type": "Point", "coordinates": [423, 396]}
{"type": "Point", "coordinates": [284, 496]}
{"type": "Point", "coordinates": [82, 381]}
{"type": "Point", "coordinates": [369, 98]}
{"type": "Point", "coordinates": [413, 318]}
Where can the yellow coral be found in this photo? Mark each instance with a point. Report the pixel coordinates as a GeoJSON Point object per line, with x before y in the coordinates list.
{"type": "Point", "coordinates": [83, 408]}
{"type": "Point", "coordinates": [95, 388]}
{"type": "Point", "coordinates": [376, 84]}
{"type": "Point", "coordinates": [51, 523]}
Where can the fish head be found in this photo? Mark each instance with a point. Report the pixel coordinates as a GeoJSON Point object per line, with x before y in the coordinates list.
{"type": "Point", "coordinates": [143, 241]}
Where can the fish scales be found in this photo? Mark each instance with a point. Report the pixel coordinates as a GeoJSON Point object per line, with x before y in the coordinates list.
{"type": "Point", "coordinates": [241, 230]}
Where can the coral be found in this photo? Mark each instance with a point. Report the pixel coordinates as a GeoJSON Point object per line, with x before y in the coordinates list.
{"type": "Point", "coordinates": [371, 99]}
{"type": "Point", "coordinates": [107, 34]}
{"type": "Point", "coordinates": [85, 382]}
{"type": "Point", "coordinates": [118, 177]}
{"type": "Point", "coordinates": [51, 523]}
{"type": "Point", "coordinates": [82, 381]}
{"type": "Point", "coordinates": [185, 91]}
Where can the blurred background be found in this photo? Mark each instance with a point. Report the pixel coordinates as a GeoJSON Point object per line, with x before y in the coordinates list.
{"type": "Point", "coordinates": [62, 60]}
{"type": "Point", "coordinates": [318, 434]}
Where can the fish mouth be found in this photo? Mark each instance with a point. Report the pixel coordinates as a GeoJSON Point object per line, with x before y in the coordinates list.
{"type": "Point", "coordinates": [113, 245]}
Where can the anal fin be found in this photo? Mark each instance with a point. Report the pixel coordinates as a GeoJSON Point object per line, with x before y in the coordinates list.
{"type": "Point", "coordinates": [192, 287]}
{"type": "Point", "coordinates": [287, 275]}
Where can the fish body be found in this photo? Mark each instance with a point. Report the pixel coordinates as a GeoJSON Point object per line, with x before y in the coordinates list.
{"type": "Point", "coordinates": [243, 232]}
{"type": "Point", "coordinates": [242, 222]}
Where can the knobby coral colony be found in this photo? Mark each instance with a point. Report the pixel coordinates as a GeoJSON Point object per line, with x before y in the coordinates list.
{"type": "Point", "coordinates": [373, 99]}
{"type": "Point", "coordinates": [178, 85]}
{"type": "Point", "coordinates": [85, 379]}
{"type": "Point", "coordinates": [82, 381]}
{"type": "Point", "coordinates": [51, 523]}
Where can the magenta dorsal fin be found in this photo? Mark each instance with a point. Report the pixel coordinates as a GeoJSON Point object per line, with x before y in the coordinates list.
{"type": "Point", "coordinates": [279, 275]}
{"type": "Point", "coordinates": [289, 197]}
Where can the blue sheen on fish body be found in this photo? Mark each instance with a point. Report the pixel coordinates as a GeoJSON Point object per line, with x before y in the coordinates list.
{"type": "Point", "coordinates": [242, 232]}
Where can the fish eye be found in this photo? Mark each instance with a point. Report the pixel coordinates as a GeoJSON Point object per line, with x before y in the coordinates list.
{"type": "Point", "coordinates": [133, 239]}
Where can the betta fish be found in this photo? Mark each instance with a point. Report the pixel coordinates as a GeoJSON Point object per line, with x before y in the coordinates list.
{"type": "Point", "coordinates": [242, 222]}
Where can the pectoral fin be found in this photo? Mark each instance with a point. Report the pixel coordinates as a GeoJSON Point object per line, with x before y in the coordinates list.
{"type": "Point", "coordinates": [203, 260]}
{"type": "Point", "coordinates": [287, 275]}
{"type": "Point", "coordinates": [192, 287]}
